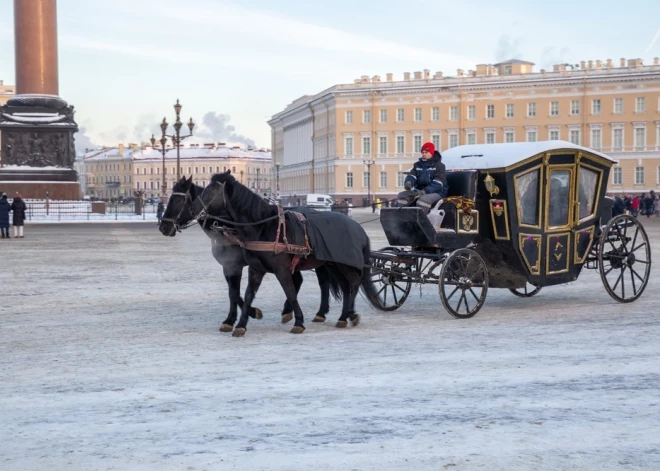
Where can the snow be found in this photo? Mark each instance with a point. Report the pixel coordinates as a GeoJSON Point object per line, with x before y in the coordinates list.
{"type": "Point", "coordinates": [24, 168]}
{"type": "Point", "coordinates": [110, 358]}
{"type": "Point", "coordinates": [491, 156]}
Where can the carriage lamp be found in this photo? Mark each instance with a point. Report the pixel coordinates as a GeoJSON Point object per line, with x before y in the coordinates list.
{"type": "Point", "coordinates": [491, 187]}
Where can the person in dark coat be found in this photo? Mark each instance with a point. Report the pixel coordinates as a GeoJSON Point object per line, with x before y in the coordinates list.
{"type": "Point", "coordinates": [4, 217]}
{"type": "Point", "coordinates": [648, 205]}
{"type": "Point", "coordinates": [160, 208]}
{"type": "Point", "coordinates": [427, 181]}
{"type": "Point", "coordinates": [18, 208]}
{"type": "Point", "coordinates": [619, 207]}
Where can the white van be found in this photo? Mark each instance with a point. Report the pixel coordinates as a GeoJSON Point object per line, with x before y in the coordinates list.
{"type": "Point", "coordinates": [318, 201]}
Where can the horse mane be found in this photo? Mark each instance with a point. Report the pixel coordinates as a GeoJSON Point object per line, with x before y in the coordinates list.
{"type": "Point", "coordinates": [244, 200]}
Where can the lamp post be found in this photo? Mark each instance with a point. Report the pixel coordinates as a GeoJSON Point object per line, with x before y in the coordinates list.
{"type": "Point", "coordinates": [277, 170]}
{"type": "Point", "coordinates": [177, 138]}
{"type": "Point", "coordinates": [163, 150]}
{"type": "Point", "coordinates": [369, 163]}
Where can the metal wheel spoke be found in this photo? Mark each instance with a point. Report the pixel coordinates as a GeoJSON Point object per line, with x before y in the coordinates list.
{"type": "Point", "coordinates": [638, 247]}
{"type": "Point", "coordinates": [460, 301]}
{"type": "Point", "coordinates": [381, 290]}
{"type": "Point", "coordinates": [632, 278]}
{"type": "Point", "coordinates": [452, 293]}
{"type": "Point", "coordinates": [399, 288]}
{"type": "Point", "coordinates": [475, 296]}
{"type": "Point", "coordinates": [633, 271]}
{"type": "Point", "coordinates": [396, 300]}
{"type": "Point", "coordinates": [634, 238]}
{"type": "Point", "coordinates": [645, 262]}
{"type": "Point", "coordinates": [619, 278]}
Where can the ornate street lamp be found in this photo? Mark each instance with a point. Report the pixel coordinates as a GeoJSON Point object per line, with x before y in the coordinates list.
{"type": "Point", "coordinates": [163, 151]}
{"type": "Point", "coordinates": [369, 163]}
{"type": "Point", "coordinates": [177, 138]}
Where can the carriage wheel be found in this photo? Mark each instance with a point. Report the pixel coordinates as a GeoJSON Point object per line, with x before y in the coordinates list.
{"type": "Point", "coordinates": [624, 257]}
{"type": "Point", "coordinates": [463, 283]}
{"type": "Point", "coordinates": [527, 292]}
{"type": "Point", "coordinates": [392, 289]}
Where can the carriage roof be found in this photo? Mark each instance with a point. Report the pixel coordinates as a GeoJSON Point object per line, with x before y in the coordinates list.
{"type": "Point", "coordinates": [503, 156]}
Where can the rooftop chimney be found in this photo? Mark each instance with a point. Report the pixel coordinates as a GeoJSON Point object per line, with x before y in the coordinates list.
{"type": "Point", "coordinates": [656, 61]}
{"type": "Point", "coordinates": [622, 62]}
{"type": "Point", "coordinates": [389, 77]}
{"type": "Point", "coordinates": [121, 149]}
{"type": "Point", "coordinates": [134, 147]}
{"type": "Point", "coordinates": [427, 74]}
{"type": "Point", "coordinates": [364, 79]}
{"type": "Point", "coordinates": [599, 64]}
{"type": "Point", "coordinates": [609, 64]}
{"type": "Point", "coordinates": [582, 65]}
{"type": "Point", "coordinates": [591, 64]}
{"type": "Point", "coordinates": [406, 76]}
{"type": "Point", "coordinates": [418, 76]}
{"type": "Point", "coordinates": [635, 63]}
{"type": "Point", "coordinates": [459, 73]}
{"type": "Point", "coordinates": [437, 75]}
{"type": "Point", "coordinates": [375, 79]}
{"type": "Point", "coordinates": [222, 144]}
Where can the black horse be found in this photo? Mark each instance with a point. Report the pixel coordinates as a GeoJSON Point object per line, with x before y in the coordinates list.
{"type": "Point", "coordinates": [339, 244]}
{"type": "Point", "coordinates": [179, 214]}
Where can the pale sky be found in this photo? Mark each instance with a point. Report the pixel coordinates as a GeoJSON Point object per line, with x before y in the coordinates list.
{"type": "Point", "coordinates": [123, 63]}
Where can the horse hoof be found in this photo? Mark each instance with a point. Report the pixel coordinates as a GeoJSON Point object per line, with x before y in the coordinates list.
{"type": "Point", "coordinates": [226, 328]}
{"type": "Point", "coordinates": [341, 324]}
{"type": "Point", "coordinates": [257, 313]}
{"type": "Point", "coordinates": [239, 332]}
{"type": "Point", "coordinates": [297, 330]}
{"type": "Point", "coordinates": [356, 320]}
{"type": "Point", "coordinates": [319, 319]}
{"type": "Point", "coordinates": [288, 317]}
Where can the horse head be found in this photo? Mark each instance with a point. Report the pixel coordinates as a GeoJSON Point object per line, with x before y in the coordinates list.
{"type": "Point", "coordinates": [179, 211]}
{"type": "Point", "coordinates": [214, 198]}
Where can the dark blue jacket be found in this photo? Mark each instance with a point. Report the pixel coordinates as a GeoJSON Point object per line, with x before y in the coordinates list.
{"type": "Point", "coordinates": [429, 175]}
{"type": "Point", "coordinates": [4, 212]}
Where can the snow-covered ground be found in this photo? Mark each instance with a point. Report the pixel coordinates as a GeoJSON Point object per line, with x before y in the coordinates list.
{"type": "Point", "coordinates": [110, 358]}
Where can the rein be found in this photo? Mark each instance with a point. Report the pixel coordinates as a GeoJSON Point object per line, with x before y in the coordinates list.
{"type": "Point", "coordinates": [178, 227]}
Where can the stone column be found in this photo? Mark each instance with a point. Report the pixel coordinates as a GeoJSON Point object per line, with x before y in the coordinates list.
{"type": "Point", "coordinates": [35, 33]}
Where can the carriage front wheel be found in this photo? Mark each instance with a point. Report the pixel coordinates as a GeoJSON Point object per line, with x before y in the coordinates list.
{"type": "Point", "coordinates": [463, 283]}
{"type": "Point", "coordinates": [527, 292]}
{"type": "Point", "coordinates": [391, 285]}
{"type": "Point", "coordinates": [624, 257]}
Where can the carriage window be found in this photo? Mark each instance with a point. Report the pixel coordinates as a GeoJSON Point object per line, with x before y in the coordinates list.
{"type": "Point", "coordinates": [588, 182]}
{"type": "Point", "coordinates": [527, 186]}
{"type": "Point", "coordinates": [560, 188]}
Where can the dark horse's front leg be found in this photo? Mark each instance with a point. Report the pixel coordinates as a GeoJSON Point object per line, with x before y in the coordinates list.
{"type": "Point", "coordinates": [324, 308]}
{"type": "Point", "coordinates": [233, 276]}
{"type": "Point", "coordinates": [287, 310]}
{"type": "Point", "coordinates": [254, 281]}
{"type": "Point", "coordinates": [286, 280]}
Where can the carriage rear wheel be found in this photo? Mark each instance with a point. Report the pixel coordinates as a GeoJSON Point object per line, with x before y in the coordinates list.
{"type": "Point", "coordinates": [527, 292]}
{"type": "Point", "coordinates": [392, 288]}
{"type": "Point", "coordinates": [624, 258]}
{"type": "Point", "coordinates": [463, 283]}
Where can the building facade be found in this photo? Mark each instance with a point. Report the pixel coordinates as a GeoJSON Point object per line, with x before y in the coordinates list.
{"type": "Point", "coordinates": [358, 139]}
{"type": "Point", "coordinates": [108, 173]}
{"type": "Point", "coordinates": [252, 167]}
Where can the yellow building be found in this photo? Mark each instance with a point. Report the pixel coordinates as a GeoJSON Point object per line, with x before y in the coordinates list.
{"type": "Point", "coordinates": [252, 167]}
{"type": "Point", "coordinates": [108, 172]}
{"type": "Point", "coordinates": [6, 92]}
{"type": "Point", "coordinates": [360, 138]}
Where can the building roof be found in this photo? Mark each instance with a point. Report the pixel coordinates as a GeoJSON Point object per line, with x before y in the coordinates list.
{"type": "Point", "coordinates": [513, 62]}
{"type": "Point", "coordinates": [149, 153]}
{"type": "Point", "coordinates": [497, 156]}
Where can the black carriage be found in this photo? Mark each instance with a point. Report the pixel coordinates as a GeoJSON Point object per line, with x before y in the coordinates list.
{"type": "Point", "coordinates": [519, 216]}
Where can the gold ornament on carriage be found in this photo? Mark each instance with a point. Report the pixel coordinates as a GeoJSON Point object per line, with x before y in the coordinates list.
{"type": "Point", "coordinates": [491, 187]}
{"type": "Point", "coordinates": [468, 220]}
{"type": "Point", "coordinates": [498, 209]}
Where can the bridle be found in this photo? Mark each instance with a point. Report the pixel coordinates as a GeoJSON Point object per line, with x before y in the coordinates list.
{"type": "Point", "coordinates": [179, 227]}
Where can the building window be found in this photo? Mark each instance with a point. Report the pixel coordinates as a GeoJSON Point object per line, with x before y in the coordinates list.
{"type": "Point", "coordinates": [575, 136]}
{"type": "Point", "coordinates": [400, 116]}
{"type": "Point", "coordinates": [453, 113]}
{"type": "Point", "coordinates": [531, 136]}
{"type": "Point", "coordinates": [490, 111]}
{"type": "Point", "coordinates": [554, 135]}
{"type": "Point", "coordinates": [400, 144]}
{"type": "Point", "coordinates": [382, 143]}
{"type": "Point", "coordinates": [471, 138]}
{"type": "Point", "coordinates": [472, 112]}
{"type": "Point", "coordinates": [618, 105]}
{"type": "Point", "coordinates": [349, 117]}
{"type": "Point", "coordinates": [490, 138]}
{"type": "Point", "coordinates": [348, 146]}
{"type": "Point", "coordinates": [639, 175]}
{"type": "Point", "coordinates": [417, 143]}
{"type": "Point", "coordinates": [435, 139]}
{"type": "Point", "coordinates": [640, 105]}
{"type": "Point", "coordinates": [400, 179]}
{"type": "Point", "coordinates": [509, 110]}
{"type": "Point", "coordinates": [383, 116]}
{"type": "Point", "coordinates": [596, 139]}
{"type": "Point", "coordinates": [575, 107]}
{"type": "Point", "coordinates": [531, 110]}
{"type": "Point", "coordinates": [640, 138]}
{"type": "Point", "coordinates": [595, 106]}
{"type": "Point", "coordinates": [366, 116]}
{"type": "Point", "coordinates": [617, 176]}
{"type": "Point", "coordinates": [383, 179]}
{"type": "Point", "coordinates": [366, 145]}
{"type": "Point", "coordinates": [435, 114]}
{"type": "Point", "coordinates": [349, 179]}
{"type": "Point", "coordinates": [366, 181]}
{"type": "Point", "coordinates": [453, 140]}
{"type": "Point", "coordinates": [418, 115]}
{"type": "Point", "coordinates": [617, 138]}
{"type": "Point", "coordinates": [509, 136]}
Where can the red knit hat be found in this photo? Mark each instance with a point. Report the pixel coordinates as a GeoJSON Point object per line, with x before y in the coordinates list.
{"type": "Point", "coordinates": [428, 147]}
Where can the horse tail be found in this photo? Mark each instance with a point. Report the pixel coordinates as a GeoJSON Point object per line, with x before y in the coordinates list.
{"type": "Point", "coordinates": [325, 275]}
{"type": "Point", "coordinates": [367, 284]}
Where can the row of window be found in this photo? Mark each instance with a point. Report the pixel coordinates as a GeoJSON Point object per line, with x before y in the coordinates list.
{"type": "Point", "coordinates": [640, 176]}
{"type": "Point", "coordinates": [108, 179]}
{"type": "Point", "coordinates": [574, 136]}
{"type": "Point", "coordinates": [151, 185]}
{"type": "Point", "coordinates": [108, 167]}
{"type": "Point", "coordinates": [509, 111]}
{"type": "Point", "coordinates": [172, 170]}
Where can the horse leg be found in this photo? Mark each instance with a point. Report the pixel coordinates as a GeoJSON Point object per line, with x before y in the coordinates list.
{"type": "Point", "coordinates": [285, 278]}
{"type": "Point", "coordinates": [254, 281]}
{"type": "Point", "coordinates": [350, 283]}
{"type": "Point", "coordinates": [322, 276]}
{"type": "Point", "coordinates": [287, 310]}
{"type": "Point", "coordinates": [234, 285]}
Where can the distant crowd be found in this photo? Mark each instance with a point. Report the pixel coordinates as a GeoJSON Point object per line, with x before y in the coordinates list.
{"type": "Point", "coordinates": [646, 204]}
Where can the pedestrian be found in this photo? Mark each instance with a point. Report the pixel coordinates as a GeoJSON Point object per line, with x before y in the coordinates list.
{"type": "Point", "coordinates": [18, 208]}
{"type": "Point", "coordinates": [4, 216]}
{"type": "Point", "coordinates": [635, 204]}
{"type": "Point", "coordinates": [648, 205]}
{"type": "Point", "coordinates": [350, 208]}
{"type": "Point", "coordinates": [160, 209]}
